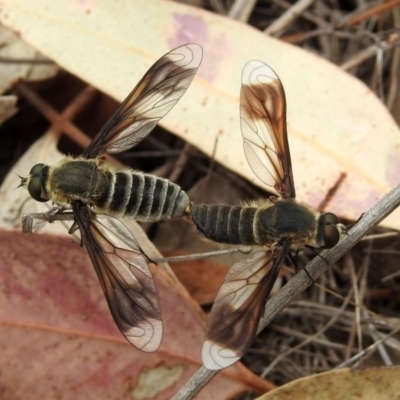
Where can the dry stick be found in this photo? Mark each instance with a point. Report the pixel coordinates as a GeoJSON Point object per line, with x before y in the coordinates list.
{"type": "Point", "coordinates": [302, 280]}
{"type": "Point", "coordinates": [302, 36]}
{"type": "Point", "coordinates": [354, 324]}
{"type": "Point", "coordinates": [365, 54]}
{"type": "Point", "coordinates": [59, 121]}
{"type": "Point", "coordinates": [366, 351]}
{"type": "Point", "coordinates": [394, 69]}
{"type": "Point", "coordinates": [201, 256]}
{"type": "Point", "coordinates": [370, 12]}
{"type": "Point", "coordinates": [218, 6]}
{"type": "Point", "coordinates": [316, 339]}
{"type": "Point", "coordinates": [348, 21]}
{"type": "Point", "coordinates": [355, 330]}
{"type": "Point", "coordinates": [393, 89]}
{"type": "Point", "coordinates": [328, 45]}
{"type": "Point", "coordinates": [378, 75]}
{"type": "Point", "coordinates": [242, 9]}
{"type": "Point", "coordinates": [321, 23]}
{"type": "Point", "coordinates": [12, 60]}
{"type": "Point", "coordinates": [288, 17]}
{"type": "Point", "coordinates": [376, 337]}
{"type": "Point", "coordinates": [79, 103]}
{"type": "Point", "coordinates": [380, 236]}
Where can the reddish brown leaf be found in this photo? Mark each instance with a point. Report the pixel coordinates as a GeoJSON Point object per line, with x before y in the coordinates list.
{"type": "Point", "coordinates": [57, 338]}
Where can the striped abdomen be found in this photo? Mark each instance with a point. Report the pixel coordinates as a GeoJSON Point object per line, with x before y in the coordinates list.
{"type": "Point", "coordinates": [255, 225]}
{"type": "Point", "coordinates": [225, 224]}
{"type": "Point", "coordinates": [141, 196]}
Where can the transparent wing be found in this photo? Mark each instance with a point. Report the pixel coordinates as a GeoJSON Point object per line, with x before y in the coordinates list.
{"type": "Point", "coordinates": [152, 98]}
{"type": "Point", "coordinates": [263, 125]}
{"type": "Point", "coordinates": [233, 321]}
{"type": "Point", "coordinates": [124, 276]}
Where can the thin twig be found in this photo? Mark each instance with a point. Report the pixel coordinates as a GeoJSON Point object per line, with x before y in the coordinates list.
{"type": "Point", "coordinates": [200, 256]}
{"type": "Point", "coordinates": [365, 54]}
{"type": "Point", "coordinates": [321, 23]}
{"type": "Point", "coordinates": [366, 351]}
{"type": "Point", "coordinates": [376, 337]}
{"type": "Point", "coordinates": [288, 17]}
{"type": "Point", "coordinates": [242, 9]}
{"type": "Point", "coordinates": [60, 123]}
{"type": "Point", "coordinates": [370, 12]}
{"type": "Point", "coordinates": [394, 68]}
{"type": "Point", "coordinates": [356, 325]}
{"type": "Point", "coordinates": [12, 60]}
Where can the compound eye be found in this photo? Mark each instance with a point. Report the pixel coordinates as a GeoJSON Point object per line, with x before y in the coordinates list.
{"type": "Point", "coordinates": [331, 236]}
{"type": "Point", "coordinates": [330, 230]}
{"type": "Point", "coordinates": [37, 170]}
{"type": "Point", "coordinates": [38, 175]}
{"type": "Point", "coordinates": [35, 189]}
{"type": "Point", "coordinates": [330, 218]}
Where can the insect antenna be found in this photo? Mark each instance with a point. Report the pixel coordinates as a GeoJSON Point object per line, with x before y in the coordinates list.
{"type": "Point", "coordinates": [23, 180]}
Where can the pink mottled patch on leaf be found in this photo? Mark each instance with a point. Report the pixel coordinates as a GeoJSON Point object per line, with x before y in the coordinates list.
{"type": "Point", "coordinates": [217, 48]}
{"type": "Point", "coordinates": [188, 29]}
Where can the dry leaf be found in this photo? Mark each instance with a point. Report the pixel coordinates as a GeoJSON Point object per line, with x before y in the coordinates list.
{"type": "Point", "coordinates": [336, 124]}
{"type": "Point", "coordinates": [56, 330]}
{"type": "Point", "coordinates": [370, 384]}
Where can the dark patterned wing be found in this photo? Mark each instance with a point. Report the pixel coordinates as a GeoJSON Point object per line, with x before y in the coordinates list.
{"type": "Point", "coordinates": [124, 276]}
{"type": "Point", "coordinates": [263, 124]}
{"type": "Point", "coordinates": [152, 98]}
{"type": "Point", "coordinates": [233, 321]}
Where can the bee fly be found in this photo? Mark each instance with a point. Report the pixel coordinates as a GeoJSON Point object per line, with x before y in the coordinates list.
{"type": "Point", "coordinates": [280, 223]}
{"type": "Point", "coordinates": [86, 182]}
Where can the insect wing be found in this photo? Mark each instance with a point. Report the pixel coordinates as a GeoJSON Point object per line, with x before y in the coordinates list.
{"type": "Point", "coordinates": [263, 125]}
{"type": "Point", "coordinates": [152, 98]}
{"type": "Point", "coordinates": [234, 318]}
{"type": "Point", "coordinates": [124, 276]}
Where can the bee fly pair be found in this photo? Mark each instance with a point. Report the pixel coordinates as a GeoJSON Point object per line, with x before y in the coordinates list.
{"type": "Point", "coordinates": [79, 185]}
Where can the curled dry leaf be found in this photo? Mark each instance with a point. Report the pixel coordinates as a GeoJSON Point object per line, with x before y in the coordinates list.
{"type": "Point", "coordinates": [338, 129]}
